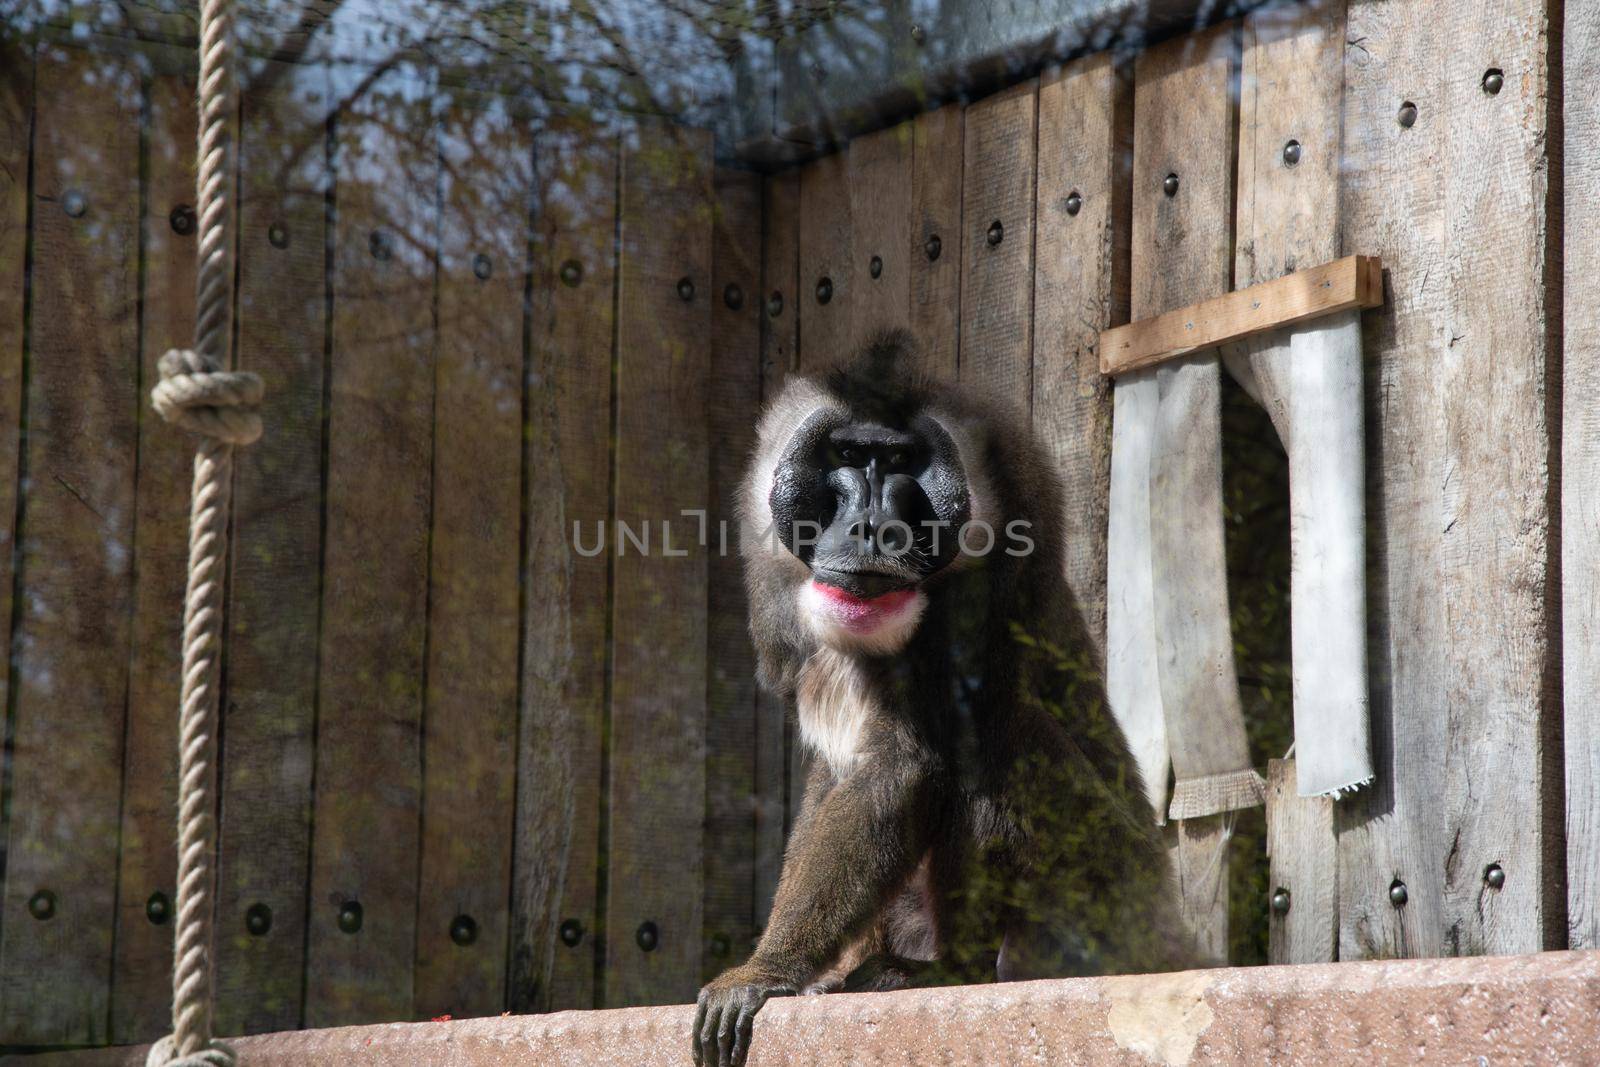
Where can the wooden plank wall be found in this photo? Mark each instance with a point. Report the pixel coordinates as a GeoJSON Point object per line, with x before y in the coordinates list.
{"type": "Point", "coordinates": [530, 752]}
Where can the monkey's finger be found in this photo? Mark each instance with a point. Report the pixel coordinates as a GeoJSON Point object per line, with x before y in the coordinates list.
{"type": "Point", "coordinates": [705, 1029]}
{"type": "Point", "coordinates": [695, 1034]}
{"type": "Point", "coordinates": [742, 1031]}
{"type": "Point", "coordinates": [725, 1037]}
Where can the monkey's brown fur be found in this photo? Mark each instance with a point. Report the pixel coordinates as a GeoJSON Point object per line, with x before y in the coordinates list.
{"type": "Point", "coordinates": [992, 819]}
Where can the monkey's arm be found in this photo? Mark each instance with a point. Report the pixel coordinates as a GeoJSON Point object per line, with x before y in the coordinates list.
{"type": "Point", "coordinates": [843, 862]}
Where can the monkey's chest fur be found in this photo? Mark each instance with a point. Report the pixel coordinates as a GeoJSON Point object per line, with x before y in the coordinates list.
{"type": "Point", "coordinates": [834, 705]}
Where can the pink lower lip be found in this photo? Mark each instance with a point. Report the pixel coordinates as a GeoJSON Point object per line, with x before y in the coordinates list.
{"type": "Point", "coordinates": [861, 612]}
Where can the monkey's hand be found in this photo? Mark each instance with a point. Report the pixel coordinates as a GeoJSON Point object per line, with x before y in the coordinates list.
{"type": "Point", "coordinates": [727, 1006]}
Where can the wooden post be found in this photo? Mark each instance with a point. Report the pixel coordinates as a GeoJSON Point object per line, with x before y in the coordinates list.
{"type": "Point", "coordinates": [935, 261]}
{"type": "Point", "coordinates": [270, 703]}
{"type": "Point", "coordinates": [1580, 471]}
{"type": "Point", "coordinates": [1442, 176]}
{"type": "Point", "coordinates": [658, 708]}
{"type": "Point", "coordinates": [76, 532]}
{"type": "Point", "coordinates": [470, 719]}
{"type": "Point", "coordinates": [1182, 201]}
{"type": "Point", "coordinates": [361, 947]}
{"type": "Point", "coordinates": [555, 910]}
{"type": "Point", "coordinates": [1303, 890]}
{"type": "Point", "coordinates": [732, 728]}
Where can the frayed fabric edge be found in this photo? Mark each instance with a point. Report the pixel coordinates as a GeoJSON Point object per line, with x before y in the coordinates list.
{"type": "Point", "coordinates": [1196, 798]}
{"type": "Point", "coordinates": [1339, 792]}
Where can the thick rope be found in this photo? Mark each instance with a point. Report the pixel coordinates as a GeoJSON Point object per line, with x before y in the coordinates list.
{"type": "Point", "coordinates": [196, 393]}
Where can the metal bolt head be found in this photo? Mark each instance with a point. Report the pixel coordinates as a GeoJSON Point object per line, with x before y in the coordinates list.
{"type": "Point", "coordinates": [996, 234]}
{"type": "Point", "coordinates": [182, 220]}
{"type": "Point", "coordinates": [1280, 901]}
{"type": "Point", "coordinates": [158, 909]}
{"type": "Point", "coordinates": [1493, 81]}
{"type": "Point", "coordinates": [685, 289]}
{"type": "Point", "coordinates": [350, 916]}
{"type": "Point", "coordinates": [932, 247]}
{"type": "Point", "coordinates": [1074, 203]}
{"type": "Point", "coordinates": [571, 933]}
{"type": "Point", "coordinates": [258, 919]}
{"type": "Point", "coordinates": [918, 34]}
{"type": "Point", "coordinates": [647, 937]}
{"type": "Point", "coordinates": [1397, 893]}
{"type": "Point", "coordinates": [74, 204]}
{"type": "Point", "coordinates": [42, 905]}
{"type": "Point", "coordinates": [1494, 876]}
{"type": "Point", "coordinates": [819, 73]}
{"type": "Point", "coordinates": [278, 235]}
{"type": "Point", "coordinates": [875, 267]}
{"type": "Point", "coordinates": [381, 245]}
{"type": "Point", "coordinates": [482, 267]}
{"type": "Point", "coordinates": [824, 290]}
{"type": "Point", "coordinates": [721, 945]}
{"type": "Point", "coordinates": [732, 296]}
{"type": "Point", "coordinates": [571, 273]}
{"type": "Point", "coordinates": [463, 930]}
{"type": "Point", "coordinates": [1407, 116]}
{"type": "Point", "coordinates": [1169, 185]}
{"type": "Point", "coordinates": [775, 304]}
{"type": "Point", "coordinates": [1291, 154]}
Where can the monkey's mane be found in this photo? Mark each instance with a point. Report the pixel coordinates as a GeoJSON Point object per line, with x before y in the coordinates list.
{"type": "Point", "coordinates": [880, 381]}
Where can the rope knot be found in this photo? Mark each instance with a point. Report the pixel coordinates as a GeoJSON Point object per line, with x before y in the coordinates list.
{"type": "Point", "coordinates": [196, 395]}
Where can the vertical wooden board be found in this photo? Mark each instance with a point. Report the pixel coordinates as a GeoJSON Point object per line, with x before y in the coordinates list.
{"type": "Point", "coordinates": [997, 275]}
{"type": "Point", "coordinates": [827, 263]}
{"type": "Point", "coordinates": [1580, 471]}
{"type": "Point", "coordinates": [76, 538]}
{"type": "Point", "coordinates": [936, 170]}
{"type": "Point", "coordinates": [470, 720]}
{"type": "Point", "coordinates": [1184, 125]}
{"type": "Point", "coordinates": [1304, 857]}
{"type": "Point", "coordinates": [657, 780]}
{"type": "Point", "coordinates": [1080, 286]}
{"type": "Point", "coordinates": [275, 558]}
{"type": "Point", "coordinates": [779, 336]}
{"type": "Point", "coordinates": [1463, 665]}
{"type": "Point", "coordinates": [375, 574]}
{"type": "Point", "coordinates": [141, 984]}
{"type": "Point", "coordinates": [16, 144]}
{"type": "Point", "coordinates": [1291, 86]}
{"type": "Point", "coordinates": [1499, 371]}
{"type": "Point", "coordinates": [554, 903]}
{"type": "Point", "coordinates": [881, 204]}
{"type": "Point", "coordinates": [1391, 205]}
{"type": "Point", "coordinates": [734, 396]}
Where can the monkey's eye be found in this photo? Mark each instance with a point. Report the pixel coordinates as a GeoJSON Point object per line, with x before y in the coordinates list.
{"type": "Point", "coordinates": [897, 458]}
{"type": "Point", "coordinates": [849, 455]}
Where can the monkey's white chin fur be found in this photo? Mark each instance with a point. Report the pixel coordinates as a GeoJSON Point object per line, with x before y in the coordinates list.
{"type": "Point", "coordinates": [848, 624]}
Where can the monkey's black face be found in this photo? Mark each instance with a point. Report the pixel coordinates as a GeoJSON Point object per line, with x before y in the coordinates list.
{"type": "Point", "coordinates": [874, 510]}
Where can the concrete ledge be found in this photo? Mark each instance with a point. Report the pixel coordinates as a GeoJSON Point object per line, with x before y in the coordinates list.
{"type": "Point", "coordinates": [1541, 1009]}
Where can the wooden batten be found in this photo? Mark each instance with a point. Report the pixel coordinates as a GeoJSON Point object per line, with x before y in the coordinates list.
{"type": "Point", "coordinates": [1351, 282]}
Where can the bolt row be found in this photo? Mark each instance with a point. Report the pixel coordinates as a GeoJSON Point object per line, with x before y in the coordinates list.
{"type": "Point", "coordinates": [1494, 877]}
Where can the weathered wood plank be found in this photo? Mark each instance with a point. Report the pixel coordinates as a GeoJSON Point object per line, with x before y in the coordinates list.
{"type": "Point", "coordinates": [779, 343]}
{"type": "Point", "coordinates": [658, 714]}
{"type": "Point", "coordinates": [1500, 371]}
{"type": "Point", "coordinates": [361, 945]}
{"type": "Point", "coordinates": [1184, 126]}
{"type": "Point", "coordinates": [1080, 286]}
{"type": "Point", "coordinates": [828, 275]}
{"type": "Point", "coordinates": [273, 610]}
{"type": "Point", "coordinates": [1343, 285]}
{"type": "Point", "coordinates": [1305, 870]}
{"type": "Point", "coordinates": [881, 192]}
{"type": "Point", "coordinates": [734, 396]}
{"type": "Point", "coordinates": [936, 172]}
{"type": "Point", "coordinates": [141, 982]}
{"type": "Point", "coordinates": [470, 721]}
{"type": "Point", "coordinates": [76, 540]}
{"type": "Point", "coordinates": [1580, 470]}
{"type": "Point", "coordinates": [997, 246]}
{"type": "Point", "coordinates": [1465, 668]}
{"type": "Point", "coordinates": [554, 903]}
{"type": "Point", "coordinates": [16, 143]}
